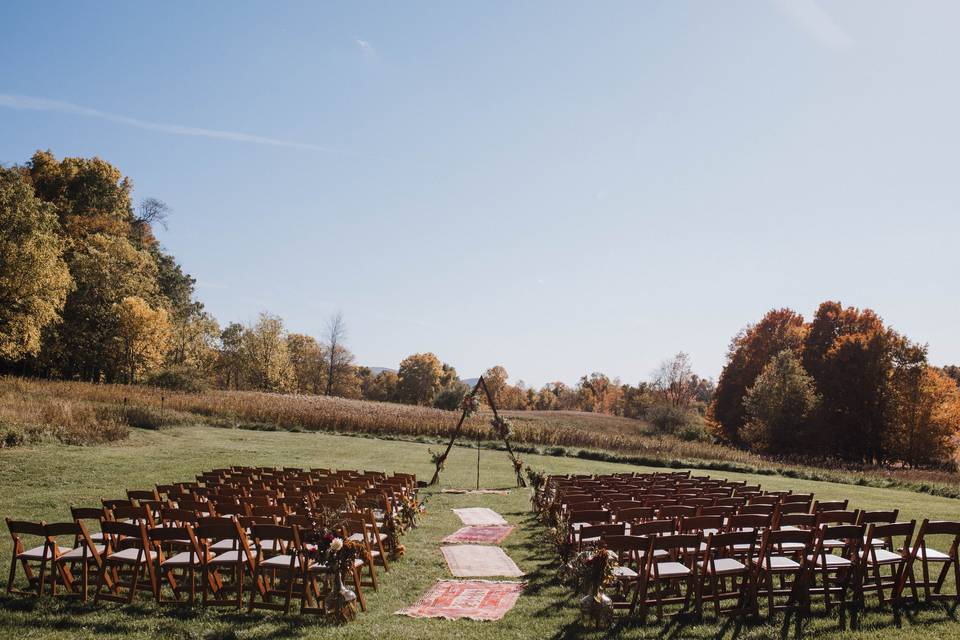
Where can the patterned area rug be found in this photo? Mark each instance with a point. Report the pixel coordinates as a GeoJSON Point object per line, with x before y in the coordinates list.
{"type": "Point", "coordinates": [472, 560]}
{"type": "Point", "coordinates": [480, 492]}
{"type": "Point", "coordinates": [490, 534]}
{"type": "Point", "coordinates": [480, 516]}
{"type": "Point", "coordinates": [473, 599]}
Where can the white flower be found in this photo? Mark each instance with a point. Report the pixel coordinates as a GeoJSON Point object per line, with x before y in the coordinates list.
{"type": "Point", "coordinates": [336, 544]}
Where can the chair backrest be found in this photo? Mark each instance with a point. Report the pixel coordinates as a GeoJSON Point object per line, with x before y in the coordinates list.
{"type": "Point", "coordinates": [699, 523]}
{"type": "Point", "coordinates": [182, 534]}
{"type": "Point", "coordinates": [838, 517]}
{"type": "Point", "coordinates": [600, 531]}
{"type": "Point", "coordinates": [830, 505]}
{"type": "Point", "coordinates": [852, 536]}
{"type": "Point", "coordinates": [748, 521]}
{"type": "Point", "coordinates": [595, 516]}
{"type": "Point", "coordinates": [676, 511]}
{"type": "Point", "coordinates": [878, 517]}
{"type": "Point", "coordinates": [799, 520]}
{"type": "Point", "coordinates": [736, 543]}
{"type": "Point", "coordinates": [653, 527]}
{"type": "Point", "coordinates": [19, 528]}
{"type": "Point", "coordinates": [798, 497]}
{"type": "Point", "coordinates": [635, 514]}
{"type": "Point", "coordinates": [794, 507]}
{"type": "Point", "coordinates": [287, 536]}
{"type": "Point", "coordinates": [718, 510]}
{"type": "Point", "coordinates": [150, 494]}
{"type": "Point", "coordinates": [137, 514]}
{"type": "Point", "coordinates": [888, 532]}
{"type": "Point", "coordinates": [118, 535]}
{"type": "Point", "coordinates": [755, 509]}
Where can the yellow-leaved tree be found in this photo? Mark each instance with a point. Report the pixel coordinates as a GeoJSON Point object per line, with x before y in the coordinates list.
{"type": "Point", "coordinates": [142, 336]}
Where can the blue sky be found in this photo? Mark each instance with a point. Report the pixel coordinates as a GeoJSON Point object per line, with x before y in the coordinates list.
{"type": "Point", "coordinates": [556, 187]}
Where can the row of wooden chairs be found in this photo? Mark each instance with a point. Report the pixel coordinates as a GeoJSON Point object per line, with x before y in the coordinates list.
{"type": "Point", "coordinates": [680, 542]}
{"type": "Point", "coordinates": [158, 536]}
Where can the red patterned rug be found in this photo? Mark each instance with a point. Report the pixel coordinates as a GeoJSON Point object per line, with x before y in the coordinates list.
{"type": "Point", "coordinates": [487, 534]}
{"type": "Point", "coordinates": [473, 599]}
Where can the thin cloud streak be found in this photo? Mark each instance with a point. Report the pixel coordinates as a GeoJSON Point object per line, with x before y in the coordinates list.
{"type": "Point", "coordinates": [368, 51]}
{"type": "Point", "coordinates": [810, 17]}
{"type": "Point", "coordinates": [29, 103]}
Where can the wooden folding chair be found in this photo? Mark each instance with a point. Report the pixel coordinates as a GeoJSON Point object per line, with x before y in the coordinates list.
{"type": "Point", "coordinates": [676, 574]}
{"type": "Point", "coordinates": [927, 556]}
{"type": "Point", "coordinates": [593, 535]}
{"type": "Point", "coordinates": [185, 562]}
{"type": "Point", "coordinates": [722, 562]}
{"type": "Point", "coordinates": [276, 575]}
{"type": "Point", "coordinates": [82, 555]}
{"type": "Point", "coordinates": [879, 517]}
{"type": "Point", "coordinates": [127, 550]}
{"type": "Point", "coordinates": [837, 573]}
{"type": "Point", "coordinates": [631, 552]}
{"type": "Point", "coordinates": [897, 535]}
{"type": "Point", "coordinates": [783, 555]}
{"type": "Point", "coordinates": [37, 555]}
{"type": "Point", "coordinates": [355, 527]}
{"type": "Point", "coordinates": [224, 548]}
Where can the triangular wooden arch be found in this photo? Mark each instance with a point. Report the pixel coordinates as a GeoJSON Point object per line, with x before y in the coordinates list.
{"type": "Point", "coordinates": [517, 463]}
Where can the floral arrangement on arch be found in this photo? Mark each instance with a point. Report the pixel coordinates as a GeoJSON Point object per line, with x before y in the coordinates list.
{"type": "Point", "coordinates": [502, 427]}
{"type": "Point", "coordinates": [470, 404]}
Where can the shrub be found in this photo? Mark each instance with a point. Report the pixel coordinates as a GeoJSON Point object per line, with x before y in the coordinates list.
{"type": "Point", "coordinates": [178, 379]}
{"type": "Point", "coordinates": [450, 398]}
{"type": "Point", "coordinates": [143, 417]}
{"type": "Point", "coordinates": [694, 432]}
{"type": "Point", "coordinates": [10, 436]}
{"type": "Point", "coordinates": [667, 418]}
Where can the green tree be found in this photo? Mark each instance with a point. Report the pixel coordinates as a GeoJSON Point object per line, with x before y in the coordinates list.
{"type": "Point", "coordinates": [381, 387]}
{"type": "Point", "coordinates": [34, 279]}
{"type": "Point", "coordinates": [749, 352]}
{"type": "Point", "coordinates": [779, 405]}
{"type": "Point", "coordinates": [419, 378]}
{"type": "Point", "coordinates": [106, 269]}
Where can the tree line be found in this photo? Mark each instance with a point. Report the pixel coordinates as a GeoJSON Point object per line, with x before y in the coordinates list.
{"type": "Point", "coordinates": [843, 385]}
{"type": "Point", "coordinates": [88, 293]}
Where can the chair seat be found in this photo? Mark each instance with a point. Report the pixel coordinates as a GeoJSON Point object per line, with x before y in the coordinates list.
{"type": "Point", "coordinates": [724, 566]}
{"type": "Point", "coordinates": [130, 555]}
{"type": "Point", "coordinates": [223, 545]}
{"type": "Point", "coordinates": [624, 573]}
{"type": "Point", "coordinates": [227, 557]}
{"type": "Point", "coordinates": [672, 570]}
{"type": "Point", "coordinates": [788, 547]}
{"type": "Point", "coordinates": [319, 567]}
{"type": "Point", "coordinates": [882, 556]}
{"type": "Point", "coordinates": [183, 559]}
{"type": "Point", "coordinates": [934, 556]}
{"type": "Point", "coordinates": [356, 537]}
{"type": "Point", "coordinates": [96, 536]}
{"type": "Point", "coordinates": [36, 553]}
{"type": "Point", "coordinates": [280, 562]}
{"type": "Point", "coordinates": [833, 544]}
{"type": "Point", "coordinates": [777, 563]}
{"type": "Point", "coordinates": [830, 561]}
{"type": "Point", "coordinates": [77, 554]}
{"type": "Point", "coordinates": [270, 545]}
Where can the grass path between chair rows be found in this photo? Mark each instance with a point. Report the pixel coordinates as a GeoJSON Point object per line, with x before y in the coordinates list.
{"type": "Point", "coordinates": [42, 482]}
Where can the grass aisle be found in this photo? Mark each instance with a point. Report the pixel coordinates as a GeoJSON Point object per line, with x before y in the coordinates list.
{"type": "Point", "coordinates": [41, 482]}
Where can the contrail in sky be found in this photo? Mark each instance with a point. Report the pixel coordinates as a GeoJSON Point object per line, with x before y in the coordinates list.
{"type": "Point", "coordinates": [28, 103]}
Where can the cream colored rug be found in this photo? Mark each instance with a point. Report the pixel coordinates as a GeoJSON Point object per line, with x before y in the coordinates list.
{"type": "Point", "coordinates": [478, 561]}
{"type": "Point", "coordinates": [480, 516]}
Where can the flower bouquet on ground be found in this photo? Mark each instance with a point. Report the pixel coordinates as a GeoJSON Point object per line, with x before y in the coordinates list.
{"type": "Point", "coordinates": [410, 510]}
{"type": "Point", "coordinates": [393, 529]}
{"type": "Point", "coordinates": [591, 571]}
{"type": "Point", "coordinates": [341, 603]}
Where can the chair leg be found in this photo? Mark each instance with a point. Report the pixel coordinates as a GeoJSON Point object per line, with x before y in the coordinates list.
{"type": "Point", "coordinates": [356, 583]}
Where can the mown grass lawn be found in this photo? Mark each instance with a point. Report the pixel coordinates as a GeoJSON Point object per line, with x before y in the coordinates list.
{"type": "Point", "coordinates": [41, 482]}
